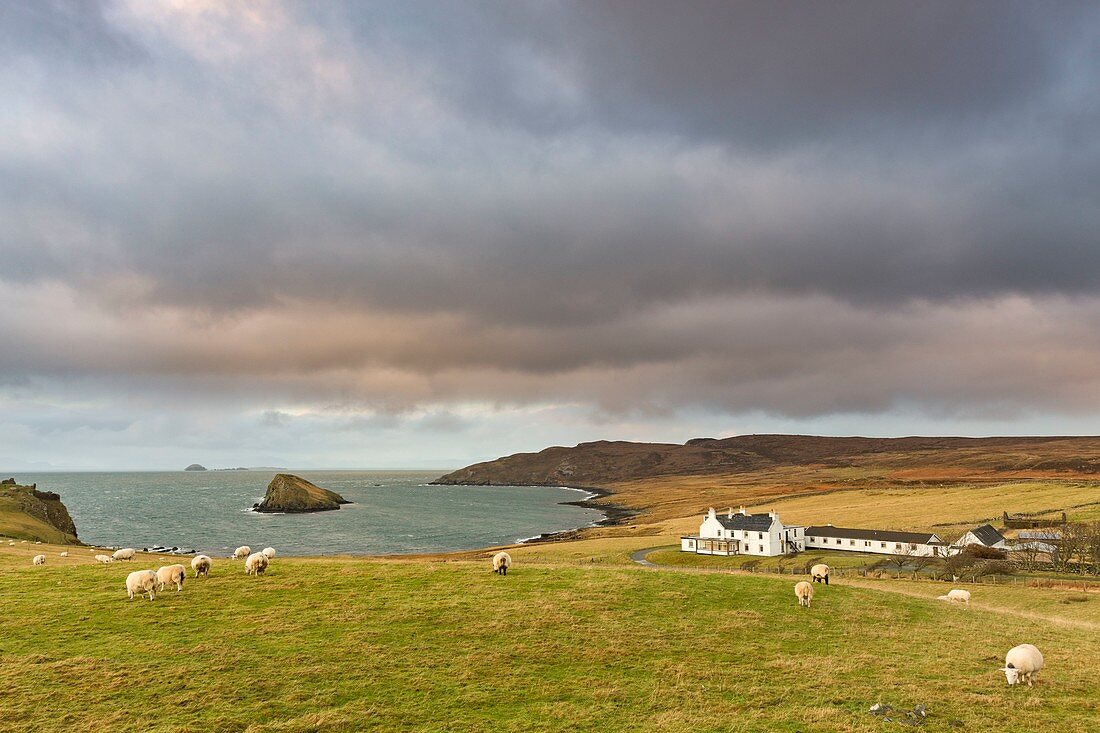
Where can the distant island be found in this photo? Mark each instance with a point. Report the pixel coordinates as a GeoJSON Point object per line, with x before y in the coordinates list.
{"type": "Point", "coordinates": [195, 467]}
{"type": "Point", "coordinates": [293, 494]}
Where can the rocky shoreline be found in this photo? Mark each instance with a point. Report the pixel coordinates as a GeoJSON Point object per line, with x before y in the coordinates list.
{"type": "Point", "coordinates": [614, 515]}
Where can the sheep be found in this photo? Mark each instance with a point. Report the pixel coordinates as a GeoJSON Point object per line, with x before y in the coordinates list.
{"type": "Point", "coordinates": [126, 553]}
{"type": "Point", "coordinates": [956, 596]}
{"type": "Point", "coordinates": [804, 592]}
{"type": "Point", "coordinates": [141, 581]}
{"type": "Point", "coordinates": [820, 573]}
{"type": "Point", "coordinates": [170, 574]}
{"type": "Point", "coordinates": [269, 552]}
{"type": "Point", "coordinates": [501, 562]}
{"type": "Point", "coordinates": [104, 559]}
{"type": "Point", "coordinates": [64, 554]}
{"type": "Point", "coordinates": [256, 564]}
{"type": "Point", "coordinates": [242, 551]}
{"type": "Point", "coordinates": [201, 565]}
{"type": "Point", "coordinates": [38, 560]}
{"type": "Point", "coordinates": [1022, 663]}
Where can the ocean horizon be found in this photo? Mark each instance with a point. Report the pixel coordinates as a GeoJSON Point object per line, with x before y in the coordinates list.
{"type": "Point", "coordinates": [392, 511]}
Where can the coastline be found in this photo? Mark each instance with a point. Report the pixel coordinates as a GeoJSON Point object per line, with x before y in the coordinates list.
{"type": "Point", "coordinates": [613, 514]}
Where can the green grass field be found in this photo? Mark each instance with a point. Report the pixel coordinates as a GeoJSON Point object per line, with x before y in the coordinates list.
{"type": "Point", "coordinates": [342, 644]}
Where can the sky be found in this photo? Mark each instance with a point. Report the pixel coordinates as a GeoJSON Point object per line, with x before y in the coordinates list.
{"type": "Point", "coordinates": [394, 234]}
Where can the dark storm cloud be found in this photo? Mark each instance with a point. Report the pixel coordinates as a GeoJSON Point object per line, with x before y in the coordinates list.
{"type": "Point", "coordinates": [743, 206]}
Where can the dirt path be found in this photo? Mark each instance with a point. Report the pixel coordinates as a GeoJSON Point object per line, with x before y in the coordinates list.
{"type": "Point", "coordinates": [641, 557]}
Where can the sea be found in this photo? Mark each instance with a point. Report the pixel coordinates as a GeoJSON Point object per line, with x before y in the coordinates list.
{"type": "Point", "coordinates": [393, 512]}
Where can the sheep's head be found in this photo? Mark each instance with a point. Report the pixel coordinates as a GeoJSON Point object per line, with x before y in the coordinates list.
{"type": "Point", "coordinates": [1011, 674]}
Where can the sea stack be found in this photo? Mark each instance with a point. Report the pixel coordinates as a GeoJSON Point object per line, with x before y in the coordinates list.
{"type": "Point", "coordinates": [290, 493]}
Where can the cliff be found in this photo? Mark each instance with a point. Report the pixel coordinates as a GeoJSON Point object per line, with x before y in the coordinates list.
{"type": "Point", "coordinates": [29, 514]}
{"type": "Point", "coordinates": [289, 493]}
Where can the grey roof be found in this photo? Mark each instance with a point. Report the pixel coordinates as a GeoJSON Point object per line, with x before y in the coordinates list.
{"type": "Point", "coordinates": [987, 535]}
{"type": "Point", "coordinates": [750, 522]}
{"type": "Point", "coordinates": [1040, 535]}
{"type": "Point", "coordinates": [883, 535]}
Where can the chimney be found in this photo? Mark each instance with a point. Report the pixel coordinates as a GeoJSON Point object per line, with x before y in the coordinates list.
{"type": "Point", "coordinates": [730, 515]}
{"type": "Point", "coordinates": [742, 510]}
{"type": "Point", "coordinates": [771, 514]}
{"type": "Point", "coordinates": [711, 514]}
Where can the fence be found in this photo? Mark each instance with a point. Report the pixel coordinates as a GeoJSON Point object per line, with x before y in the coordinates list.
{"type": "Point", "coordinates": [1084, 584]}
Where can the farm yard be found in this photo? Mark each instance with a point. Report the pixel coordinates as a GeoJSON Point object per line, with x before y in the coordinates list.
{"type": "Point", "coordinates": [340, 644]}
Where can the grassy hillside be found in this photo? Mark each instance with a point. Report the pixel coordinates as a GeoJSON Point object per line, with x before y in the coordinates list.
{"type": "Point", "coordinates": [355, 644]}
{"type": "Point", "coordinates": [27, 514]}
{"type": "Point", "coordinates": [914, 483]}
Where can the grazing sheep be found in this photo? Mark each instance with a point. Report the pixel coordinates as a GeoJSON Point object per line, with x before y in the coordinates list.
{"type": "Point", "coordinates": [63, 554]}
{"type": "Point", "coordinates": [256, 564]}
{"type": "Point", "coordinates": [1022, 663]}
{"type": "Point", "coordinates": [242, 551]}
{"type": "Point", "coordinates": [201, 565]}
{"type": "Point", "coordinates": [820, 573]}
{"type": "Point", "coordinates": [141, 581]}
{"type": "Point", "coordinates": [804, 592]}
{"type": "Point", "coordinates": [269, 552]}
{"type": "Point", "coordinates": [501, 562]}
{"type": "Point", "coordinates": [38, 560]}
{"type": "Point", "coordinates": [126, 553]}
{"type": "Point", "coordinates": [956, 596]}
{"type": "Point", "coordinates": [104, 559]}
{"type": "Point", "coordinates": [170, 574]}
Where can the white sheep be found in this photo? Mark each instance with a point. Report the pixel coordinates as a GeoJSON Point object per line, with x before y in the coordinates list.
{"type": "Point", "coordinates": [104, 559]}
{"type": "Point", "coordinates": [64, 554]}
{"type": "Point", "coordinates": [501, 562]}
{"type": "Point", "coordinates": [169, 575]}
{"type": "Point", "coordinates": [956, 596]}
{"type": "Point", "coordinates": [820, 573]}
{"type": "Point", "coordinates": [126, 553]}
{"type": "Point", "coordinates": [201, 565]}
{"type": "Point", "coordinates": [141, 581]}
{"type": "Point", "coordinates": [242, 551]}
{"type": "Point", "coordinates": [269, 552]}
{"type": "Point", "coordinates": [256, 564]}
{"type": "Point", "coordinates": [38, 560]}
{"type": "Point", "coordinates": [804, 592]}
{"type": "Point", "coordinates": [1022, 663]}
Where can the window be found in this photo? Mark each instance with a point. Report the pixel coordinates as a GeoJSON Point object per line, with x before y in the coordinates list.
{"type": "Point", "coordinates": [761, 535]}
{"type": "Point", "coordinates": [882, 545]}
{"type": "Point", "coordinates": [897, 545]}
{"type": "Point", "coordinates": [866, 544]}
{"type": "Point", "coordinates": [852, 543]}
{"type": "Point", "coordinates": [761, 549]}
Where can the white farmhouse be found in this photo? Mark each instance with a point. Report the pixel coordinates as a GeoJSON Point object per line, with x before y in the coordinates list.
{"type": "Point", "coordinates": [741, 533]}
{"type": "Point", "coordinates": [878, 541]}
{"type": "Point", "coordinates": [985, 535]}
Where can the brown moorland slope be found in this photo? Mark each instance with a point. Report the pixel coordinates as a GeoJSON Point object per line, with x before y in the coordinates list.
{"type": "Point", "coordinates": [664, 480]}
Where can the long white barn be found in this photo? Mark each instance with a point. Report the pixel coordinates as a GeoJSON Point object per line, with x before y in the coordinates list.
{"type": "Point", "coordinates": [740, 533]}
{"type": "Point", "coordinates": [878, 541]}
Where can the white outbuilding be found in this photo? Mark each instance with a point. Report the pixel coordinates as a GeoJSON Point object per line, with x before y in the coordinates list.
{"type": "Point", "coordinates": [985, 535]}
{"type": "Point", "coordinates": [876, 541]}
